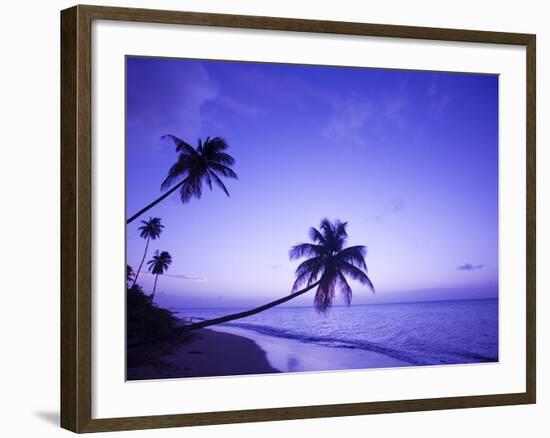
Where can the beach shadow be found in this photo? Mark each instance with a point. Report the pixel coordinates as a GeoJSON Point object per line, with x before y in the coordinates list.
{"type": "Point", "coordinates": [51, 417]}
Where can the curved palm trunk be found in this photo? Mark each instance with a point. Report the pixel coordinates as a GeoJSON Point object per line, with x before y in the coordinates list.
{"type": "Point", "coordinates": [141, 264]}
{"type": "Point", "coordinates": [154, 288]}
{"type": "Point", "coordinates": [239, 315]}
{"type": "Point", "coordinates": [155, 202]}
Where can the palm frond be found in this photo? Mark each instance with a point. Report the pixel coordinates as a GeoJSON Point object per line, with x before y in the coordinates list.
{"type": "Point", "coordinates": [181, 146]}
{"type": "Point", "coordinates": [340, 232]}
{"type": "Point", "coordinates": [345, 288]}
{"type": "Point", "coordinates": [324, 296]}
{"type": "Point", "coordinates": [178, 170]}
{"type": "Point", "coordinates": [314, 273]}
{"type": "Point", "coordinates": [326, 227]}
{"type": "Point", "coordinates": [191, 189]}
{"type": "Point", "coordinates": [355, 273]}
{"type": "Point", "coordinates": [305, 250]}
{"type": "Point", "coordinates": [223, 170]}
{"type": "Point", "coordinates": [129, 273]}
{"type": "Point", "coordinates": [200, 149]}
{"type": "Point", "coordinates": [307, 272]}
{"type": "Point", "coordinates": [316, 236]}
{"type": "Point", "coordinates": [208, 179]}
{"type": "Point", "coordinates": [221, 158]}
{"type": "Point", "coordinates": [219, 182]}
{"type": "Point", "coordinates": [216, 144]}
{"type": "Point", "coordinates": [354, 255]}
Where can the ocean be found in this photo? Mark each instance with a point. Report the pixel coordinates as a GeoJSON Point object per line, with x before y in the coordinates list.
{"type": "Point", "coordinates": [412, 334]}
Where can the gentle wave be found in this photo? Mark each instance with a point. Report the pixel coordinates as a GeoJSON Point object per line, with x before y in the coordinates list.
{"type": "Point", "coordinates": [416, 333]}
{"type": "Point", "coordinates": [364, 345]}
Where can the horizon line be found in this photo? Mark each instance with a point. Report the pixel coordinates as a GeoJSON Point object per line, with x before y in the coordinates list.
{"type": "Point", "coordinates": [356, 305]}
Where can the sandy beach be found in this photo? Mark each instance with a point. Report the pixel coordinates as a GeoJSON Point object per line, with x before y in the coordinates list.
{"type": "Point", "coordinates": [229, 351]}
{"type": "Point", "coordinates": [203, 353]}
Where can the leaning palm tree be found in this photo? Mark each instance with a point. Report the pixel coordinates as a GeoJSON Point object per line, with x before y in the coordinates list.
{"type": "Point", "coordinates": [329, 262]}
{"type": "Point", "coordinates": [150, 229]}
{"type": "Point", "coordinates": [159, 265]}
{"type": "Point", "coordinates": [205, 164]}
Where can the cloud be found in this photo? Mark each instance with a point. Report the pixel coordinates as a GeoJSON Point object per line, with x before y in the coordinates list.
{"type": "Point", "coordinates": [237, 106]}
{"type": "Point", "coordinates": [351, 121]}
{"type": "Point", "coordinates": [396, 206]}
{"type": "Point", "coordinates": [440, 103]}
{"type": "Point", "coordinates": [360, 122]}
{"type": "Point", "coordinates": [348, 122]}
{"type": "Point", "coordinates": [180, 277]}
{"type": "Point", "coordinates": [468, 267]}
{"type": "Point", "coordinates": [438, 100]}
{"type": "Point", "coordinates": [433, 87]}
{"type": "Point", "coordinates": [394, 110]}
{"type": "Point", "coordinates": [165, 97]}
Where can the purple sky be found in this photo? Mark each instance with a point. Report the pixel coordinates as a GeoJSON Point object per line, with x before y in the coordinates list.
{"type": "Point", "coordinates": [409, 159]}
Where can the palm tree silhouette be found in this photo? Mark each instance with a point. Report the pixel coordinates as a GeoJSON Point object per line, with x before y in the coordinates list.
{"type": "Point", "coordinates": [129, 274]}
{"type": "Point", "coordinates": [150, 229]}
{"type": "Point", "coordinates": [330, 261]}
{"type": "Point", "coordinates": [326, 268]}
{"type": "Point", "coordinates": [159, 265]}
{"type": "Point", "coordinates": [207, 163]}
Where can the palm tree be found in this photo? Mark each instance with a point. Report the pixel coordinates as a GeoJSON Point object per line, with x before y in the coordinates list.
{"type": "Point", "coordinates": [207, 163]}
{"type": "Point", "coordinates": [159, 265]}
{"type": "Point", "coordinates": [150, 229]}
{"type": "Point", "coordinates": [129, 274]}
{"type": "Point", "coordinates": [329, 262]}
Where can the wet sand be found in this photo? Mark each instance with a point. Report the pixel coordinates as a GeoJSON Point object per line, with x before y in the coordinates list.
{"type": "Point", "coordinates": [290, 355]}
{"type": "Point", "coordinates": [203, 353]}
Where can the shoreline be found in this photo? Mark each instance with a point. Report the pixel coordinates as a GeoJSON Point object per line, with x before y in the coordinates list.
{"type": "Point", "coordinates": [291, 355]}
{"type": "Point", "coordinates": [229, 351]}
{"type": "Point", "coordinates": [203, 353]}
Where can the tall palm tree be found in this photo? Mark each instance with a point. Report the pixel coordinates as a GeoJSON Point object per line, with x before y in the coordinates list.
{"type": "Point", "coordinates": [159, 265]}
{"type": "Point", "coordinates": [206, 163]}
{"type": "Point", "coordinates": [150, 229]}
{"type": "Point", "coordinates": [329, 262]}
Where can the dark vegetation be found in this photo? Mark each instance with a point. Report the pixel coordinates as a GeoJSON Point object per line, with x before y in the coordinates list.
{"type": "Point", "coordinates": [143, 318]}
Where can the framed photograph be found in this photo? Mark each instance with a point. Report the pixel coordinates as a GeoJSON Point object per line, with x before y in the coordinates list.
{"type": "Point", "coordinates": [270, 218]}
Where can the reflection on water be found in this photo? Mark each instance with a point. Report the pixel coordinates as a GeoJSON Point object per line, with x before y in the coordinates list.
{"type": "Point", "coordinates": [293, 364]}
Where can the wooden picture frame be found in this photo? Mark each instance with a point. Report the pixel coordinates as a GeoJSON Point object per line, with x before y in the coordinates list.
{"type": "Point", "coordinates": [76, 226]}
